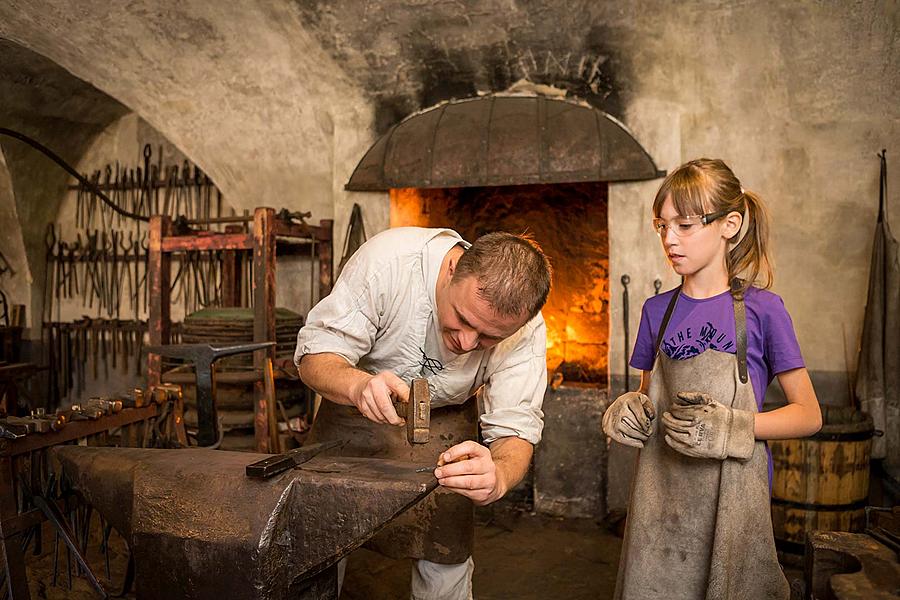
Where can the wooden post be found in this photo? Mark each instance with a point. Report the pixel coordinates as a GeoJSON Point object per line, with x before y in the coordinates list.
{"type": "Point", "coordinates": [159, 276]}
{"type": "Point", "coordinates": [264, 324]}
{"type": "Point", "coordinates": [231, 272]}
{"type": "Point", "coordinates": [326, 260]}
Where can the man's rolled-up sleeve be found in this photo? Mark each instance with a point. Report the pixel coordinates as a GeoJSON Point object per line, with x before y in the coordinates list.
{"type": "Point", "coordinates": [514, 390]}
{"type": "Point", "coordinates": [346, 321]}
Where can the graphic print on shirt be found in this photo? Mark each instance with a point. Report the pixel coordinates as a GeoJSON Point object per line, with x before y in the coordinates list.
{"type": "Point", "coordinates": [692, 338]}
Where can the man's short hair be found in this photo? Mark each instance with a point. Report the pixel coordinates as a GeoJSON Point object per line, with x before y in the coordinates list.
{"type": "Point", "coordinates": [512, 271]}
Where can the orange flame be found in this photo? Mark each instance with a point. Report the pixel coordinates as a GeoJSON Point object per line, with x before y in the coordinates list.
{"type": "Point", "coordinates": [569, 222]}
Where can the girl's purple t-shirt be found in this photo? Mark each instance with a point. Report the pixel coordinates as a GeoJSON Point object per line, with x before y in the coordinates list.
{"type": "Point", "coordinates": [708, 324]}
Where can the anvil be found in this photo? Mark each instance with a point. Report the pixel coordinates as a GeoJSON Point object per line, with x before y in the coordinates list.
{"type": "Point", "coordinates": [199, 528]}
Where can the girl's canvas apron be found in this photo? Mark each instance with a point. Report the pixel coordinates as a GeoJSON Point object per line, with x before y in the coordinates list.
{"type": "Point", "coordinates": [700, 528]}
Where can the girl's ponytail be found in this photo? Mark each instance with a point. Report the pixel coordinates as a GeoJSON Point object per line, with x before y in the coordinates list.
{"type": "Point", "coordinates": [749, 258]}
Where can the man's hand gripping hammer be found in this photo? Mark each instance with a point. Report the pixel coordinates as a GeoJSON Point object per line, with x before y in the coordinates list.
{"type": "Point", "coordinates": [417, 412]}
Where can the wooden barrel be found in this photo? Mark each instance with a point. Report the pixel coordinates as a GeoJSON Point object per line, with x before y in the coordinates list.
{"type": "Point", "coordinates": [822, 482]}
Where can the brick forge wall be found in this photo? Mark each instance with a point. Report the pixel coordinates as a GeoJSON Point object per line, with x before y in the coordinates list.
{"type": "Point", "coordinates": [569, 221]}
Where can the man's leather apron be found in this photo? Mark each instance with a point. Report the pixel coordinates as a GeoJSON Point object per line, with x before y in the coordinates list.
{"type": "Point", "coordinates": [700, 528]}
{"type": "Point", "coordinates": [441, 527]}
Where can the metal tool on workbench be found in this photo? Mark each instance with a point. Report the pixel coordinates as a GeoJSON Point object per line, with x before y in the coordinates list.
{"type": "Point", "coordinates": [47, 421]}
{"type": "Point", "coordinates": [269, 467]}
{"type": "Point", "coordinates": [417, 412]}
{"type": "Point", "coordinates": [38, 422]}
{"type": "Point", "coordinates": [10, 431]}
{"type": "Point", "coordinates": [78, 412]}
{"type": "Point", "coordinates": [134, 399]}
{"type": "Point", "coordinates": [107, 405]}
{"type": "Point", "coordinates": [203, 356]}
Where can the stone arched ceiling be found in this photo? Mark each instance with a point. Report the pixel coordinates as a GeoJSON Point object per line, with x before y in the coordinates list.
{"type": "Point", "coordinates": [240, 87]}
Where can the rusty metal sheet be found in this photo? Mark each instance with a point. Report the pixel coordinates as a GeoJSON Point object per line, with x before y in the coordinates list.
{"type": "Point", "coordinates": [503, 140]}
{"type": "Point", "coordinates": [458, 121]}
{"type": "Point", "coordinates": [199, 528]}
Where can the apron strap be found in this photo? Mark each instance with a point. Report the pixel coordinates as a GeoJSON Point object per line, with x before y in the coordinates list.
{"type": "Point", "coordinates": [740, 328]}
{"type": "Point", "coordinates": [665, 322]}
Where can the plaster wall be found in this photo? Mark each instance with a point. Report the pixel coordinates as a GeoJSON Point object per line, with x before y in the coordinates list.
{"type": "Point", "coordinates": [17, 283]}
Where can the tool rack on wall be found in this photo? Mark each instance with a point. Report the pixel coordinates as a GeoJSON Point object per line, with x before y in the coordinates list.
{"type": "Point", "coordinates": [261, 242]}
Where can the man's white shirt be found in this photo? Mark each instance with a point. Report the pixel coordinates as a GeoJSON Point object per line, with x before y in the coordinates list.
{"type": "Point", "coordinates": [381, 316]}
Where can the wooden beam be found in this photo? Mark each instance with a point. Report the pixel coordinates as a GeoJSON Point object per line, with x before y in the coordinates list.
{"type": "Point", "coordinates": [231, 272]}
{"type": "Point", "coordinates": [159, 275]}
{"type": "Point", "coordinates": [264, 324]}
{"type": "Point", "coordinates": [214, 241]}
{"type": "Point", "coordinates": [326, 260]}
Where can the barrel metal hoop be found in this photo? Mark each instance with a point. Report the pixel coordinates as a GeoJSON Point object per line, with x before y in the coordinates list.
{"type": "Point", "coordinates": [858, 505]}
{"type": "Point", "coordinates": [851, 436]}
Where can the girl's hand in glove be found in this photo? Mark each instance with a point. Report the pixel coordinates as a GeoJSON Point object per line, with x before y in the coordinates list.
{"type": "Point", "coordinates": [699, 426]}
{"type": "Point", "coordinates": [629, 419]}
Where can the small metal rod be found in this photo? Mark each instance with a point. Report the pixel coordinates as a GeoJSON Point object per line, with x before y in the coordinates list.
{"type": "Point", "coordinates": [625, 281]}
{"type": "Point", "coordinates": [52, 512]}
{"type": "Point", "coordinates": [68, 568]}
{"type": "Point", "coordinates": [55, 559]}
{"type": "Point", "coordinates": [107, 531]}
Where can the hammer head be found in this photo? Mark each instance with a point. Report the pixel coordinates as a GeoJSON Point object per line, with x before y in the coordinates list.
{"type": "Point", "coordinates": [418, 413]}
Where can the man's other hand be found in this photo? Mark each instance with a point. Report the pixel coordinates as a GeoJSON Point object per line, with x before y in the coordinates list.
{"type": "Point", "coordinates": [373, 397]}
{"type": "Point", "coordinates": [469, 469]}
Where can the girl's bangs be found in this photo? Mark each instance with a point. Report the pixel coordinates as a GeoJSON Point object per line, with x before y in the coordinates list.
{"type": "Point", "coordinates": [690, 200]}
{"type": "Point", "coordinates": [688, 192]}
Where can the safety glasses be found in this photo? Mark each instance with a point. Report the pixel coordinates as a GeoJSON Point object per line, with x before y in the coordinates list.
{"type": "Point", "coordinates": [686, 226]}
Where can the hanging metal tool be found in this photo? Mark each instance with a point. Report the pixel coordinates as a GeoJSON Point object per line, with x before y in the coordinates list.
{"type": "Point", "coordinates": [356, 236]}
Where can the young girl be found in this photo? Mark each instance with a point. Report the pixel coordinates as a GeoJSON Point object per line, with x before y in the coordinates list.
{"type": "Point", "coordinates": [699, 524]}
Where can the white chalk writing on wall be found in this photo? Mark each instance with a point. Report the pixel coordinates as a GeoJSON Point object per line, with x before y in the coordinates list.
{"type": "Point", "coordinates": [546, 64]}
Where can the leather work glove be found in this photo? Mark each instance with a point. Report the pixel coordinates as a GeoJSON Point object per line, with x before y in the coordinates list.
{"type": "Point", "coordinates": [699, 426]}
{"type": "Point", "coordinates": [629, 419]}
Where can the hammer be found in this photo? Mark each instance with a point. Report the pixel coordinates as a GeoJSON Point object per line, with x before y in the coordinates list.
{"type": "Point", "coordinates": [417, 412]}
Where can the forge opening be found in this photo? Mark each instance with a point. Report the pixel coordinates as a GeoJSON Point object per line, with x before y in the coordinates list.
{"type": "Point", "coordinates": [569, 221]}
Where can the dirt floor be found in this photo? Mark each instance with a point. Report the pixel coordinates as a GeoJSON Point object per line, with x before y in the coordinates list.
{"type": "Point", "coordinates": [43, 571]}
{"type": "Point", "coordinates": [524, 556]}
{"type": "Point", "coordinates": [518, 554]}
